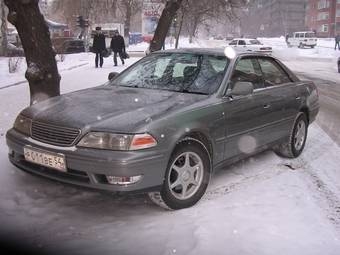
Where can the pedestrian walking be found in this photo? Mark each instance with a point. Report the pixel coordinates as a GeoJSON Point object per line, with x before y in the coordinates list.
{"type": "Point", "coordinates": [337, 42]}
{"type": "Point", "coordinates": [118, 47]}
{"type": "Point", "coordinates": [99, 46]}
{"type": "Point", "coordinates": [287, 39]}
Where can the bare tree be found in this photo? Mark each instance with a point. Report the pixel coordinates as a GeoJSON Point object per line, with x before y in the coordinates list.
{"type": "Point", "coordinates": [197, 12]}
{"type": "Point", "coordinates": [164, 23]}
{"type": "Point", "coordinates": [42, 72]}
{"type": "Point", "coordinates": [4, 42]}
{"type": "Point", "coordinates": [94, 10]}
{"type": "Point", "coordinates": [129, 8]}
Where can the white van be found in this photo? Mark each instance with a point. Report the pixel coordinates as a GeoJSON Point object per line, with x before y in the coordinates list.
{"type": "Point", "coordinates": [303, 39]}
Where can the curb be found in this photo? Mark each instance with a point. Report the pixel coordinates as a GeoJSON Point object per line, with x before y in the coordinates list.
{"type": "Point", "coordinates": [24, 81]}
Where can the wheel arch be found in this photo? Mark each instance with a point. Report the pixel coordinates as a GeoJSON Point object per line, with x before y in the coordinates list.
{"type": "Point", "coordinates": [202, 139]}
{"type": "Point", "coordinates": [305, 110]}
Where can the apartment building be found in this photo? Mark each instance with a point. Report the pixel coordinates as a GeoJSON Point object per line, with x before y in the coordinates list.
{"type": "Point", "coordinates": [323, 16]}
{"type": "Point", "coordinates": [274, 17]}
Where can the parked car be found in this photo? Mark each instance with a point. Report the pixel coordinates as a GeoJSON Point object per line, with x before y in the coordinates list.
{"type": "Point", "coordinates": [303, 39]}
{"type": "Point", "coordinates": [166, 123]}
{"type": "Point", "coordinates": [247, 44]}
{"type": "Point", "coordinates": [65, 45]}
{"type": "Point", "coordinates": [73, 46]}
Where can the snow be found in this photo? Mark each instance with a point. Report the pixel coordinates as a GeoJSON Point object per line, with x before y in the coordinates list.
{"type": "Point", "coordinates": [262, 205]}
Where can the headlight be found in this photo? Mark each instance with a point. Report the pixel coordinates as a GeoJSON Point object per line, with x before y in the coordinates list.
{"type": "Point", "coordinates": [23, 125]}
{"type": "Point", "coordinates": [119, 142]}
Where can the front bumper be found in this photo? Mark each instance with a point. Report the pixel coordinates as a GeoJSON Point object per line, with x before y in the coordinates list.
{"type": "Point", "coordinates": [89, 167]}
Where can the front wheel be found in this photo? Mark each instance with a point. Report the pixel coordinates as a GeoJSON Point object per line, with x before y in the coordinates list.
{"type": "Point", "coordinates": [186, 178]}
{"type": "Point", "coordinates": [294, 144]}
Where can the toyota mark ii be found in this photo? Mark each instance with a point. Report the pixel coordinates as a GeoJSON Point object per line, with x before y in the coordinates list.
{"type": "Point", "coordinates": [166, 123]}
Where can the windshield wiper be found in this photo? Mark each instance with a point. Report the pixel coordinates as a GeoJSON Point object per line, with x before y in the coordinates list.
{"type": "Point", "coordinates": [193, 92]}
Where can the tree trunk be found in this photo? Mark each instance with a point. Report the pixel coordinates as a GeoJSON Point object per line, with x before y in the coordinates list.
{"type": "Point", "coordinates": [193, 28]}
{"type": "Point", "coordinates": [42, 72]}
{"type": "Point", "coordinates": [179, 29]}
{"type": "Point", "coordinates": [164, 23]}
{"type": "Point", "coordinates": [4, 41]}
{"type": "Point", "coordinates": [127, 21]}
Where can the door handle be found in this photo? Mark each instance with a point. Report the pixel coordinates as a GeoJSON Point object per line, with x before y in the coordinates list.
{"type": "Point", "coordinates": [266, 106]}
{"type": "Point", "coordinates": [297, 98]}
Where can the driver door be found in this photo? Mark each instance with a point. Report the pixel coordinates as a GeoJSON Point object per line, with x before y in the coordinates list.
{"type": "Point", "coordinates": [245, 116]}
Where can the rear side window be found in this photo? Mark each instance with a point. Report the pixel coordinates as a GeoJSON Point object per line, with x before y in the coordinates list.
{"type": "Point", "coordinates": [273, 74]}
{"type": "Point", "coordinates": [233, 42]}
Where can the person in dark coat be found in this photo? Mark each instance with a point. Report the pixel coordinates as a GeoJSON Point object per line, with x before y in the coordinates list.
{"type": "Point", "coordinates": [337, 42]}
{"type": "Point", "coordinates": [99, 46]}
{"type": "Point", "coordinates": [118, 47]}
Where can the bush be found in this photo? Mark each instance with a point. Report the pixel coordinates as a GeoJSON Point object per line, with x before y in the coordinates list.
{"type": "Point", "coordinates": [14, 64]}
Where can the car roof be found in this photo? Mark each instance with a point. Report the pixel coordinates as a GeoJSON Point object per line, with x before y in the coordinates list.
{"type": "Point", "coordinates": [245, 39]}
{"type": "Point", "coordinates": [211, 51]}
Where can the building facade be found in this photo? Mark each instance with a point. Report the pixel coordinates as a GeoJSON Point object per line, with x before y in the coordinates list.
{"type": "Point", "coordinates": [323, 16]}
{"type": "Point", "coordinates": [274, 18]}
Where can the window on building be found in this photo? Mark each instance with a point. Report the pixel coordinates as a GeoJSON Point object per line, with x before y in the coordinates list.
{"type": "Point", "coordinates": [323, 16]}
{"type": "Point", "coordinates": [338, 12]}
{"type": "Point", "coordinates": [324, 28]}
{"type": "Point", "coordinates": [322, 4]}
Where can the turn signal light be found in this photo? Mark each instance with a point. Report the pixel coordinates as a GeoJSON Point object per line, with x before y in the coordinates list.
{"type": "Point", "coordinates": [142, 141]}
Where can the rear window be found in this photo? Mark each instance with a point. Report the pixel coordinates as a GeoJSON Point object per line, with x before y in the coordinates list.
{"type": "Point", "coordinates": [310, 35]}
{"type": "Point", "coordinates": [255, 42]}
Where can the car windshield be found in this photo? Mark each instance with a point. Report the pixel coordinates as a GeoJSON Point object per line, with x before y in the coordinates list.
{"type": "Point", "coordinates": [180, 72]}
{"type": "Point", "coordinates": [256, 42]}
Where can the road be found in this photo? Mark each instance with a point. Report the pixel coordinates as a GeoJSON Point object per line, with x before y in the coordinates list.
{"type": "Point", "coordinates": [329, 115]}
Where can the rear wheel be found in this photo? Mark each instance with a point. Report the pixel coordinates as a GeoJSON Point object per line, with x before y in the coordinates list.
{"type": "Point", "coordinates": [186, 178]}
{"type": "Point", "coordinates": [293, 146]}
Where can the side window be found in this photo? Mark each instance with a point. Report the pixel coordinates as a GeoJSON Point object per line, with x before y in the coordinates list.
{"type": "Point", "coordinates": [247, 70]}
{"type": "Point", "coordinates": [273, 74]}
{"type": "Point", "coordinates": [241, 42]}
{"type": "Point", "coordinates": [211, 74]}
{"type": "Point", "coordinates": [233, 42]}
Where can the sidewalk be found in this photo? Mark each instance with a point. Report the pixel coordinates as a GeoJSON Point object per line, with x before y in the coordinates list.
{"type": "Point", "coordinates": [13, 79]}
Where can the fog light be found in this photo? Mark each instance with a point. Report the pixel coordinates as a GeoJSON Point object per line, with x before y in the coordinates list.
{"type": "Point", "coordinates": [123, 180]}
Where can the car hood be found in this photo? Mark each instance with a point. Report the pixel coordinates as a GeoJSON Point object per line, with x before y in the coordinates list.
{"type": "Point", "coordinates": [112, 108]}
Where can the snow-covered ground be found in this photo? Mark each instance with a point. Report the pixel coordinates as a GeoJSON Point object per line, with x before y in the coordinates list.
{"type": "Point", "coordinates": [263, 205]}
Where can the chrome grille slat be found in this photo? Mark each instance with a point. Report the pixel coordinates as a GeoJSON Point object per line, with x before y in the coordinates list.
{"type": "Point", "coordinates": [47, 133]}
{"type": "Point", "coordinates": [57, 131]}
{"type": "Point", "coordinates": [52, 134]}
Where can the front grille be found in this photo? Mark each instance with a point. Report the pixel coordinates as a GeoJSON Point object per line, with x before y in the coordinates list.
{"type": "Point", "coordinates": [55, 135]}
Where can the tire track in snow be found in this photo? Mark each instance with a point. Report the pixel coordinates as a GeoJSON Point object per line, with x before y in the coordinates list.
{"type": "Point", "coordinates": [328, 201]}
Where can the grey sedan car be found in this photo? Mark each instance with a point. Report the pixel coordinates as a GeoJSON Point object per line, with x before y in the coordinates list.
{"type": "Point", "coordinates": [166, 123]}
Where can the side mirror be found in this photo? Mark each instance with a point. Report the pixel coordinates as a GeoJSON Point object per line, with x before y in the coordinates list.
{"type": "Point", "coordinates": [112, 75]}
{"type": "Point", "coordinates": [242, 88]}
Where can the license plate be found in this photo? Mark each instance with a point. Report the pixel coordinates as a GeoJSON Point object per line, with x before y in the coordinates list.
{"type": "Point", "coordinates": [45, 158]}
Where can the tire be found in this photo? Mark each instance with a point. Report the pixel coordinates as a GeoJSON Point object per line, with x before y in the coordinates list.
{"type": "Point", "coordinates": [294, 144]}
{"type": "Point", "coordinates": [187, 176]}
{"type": "Point", "coordinates": [312, 46]}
